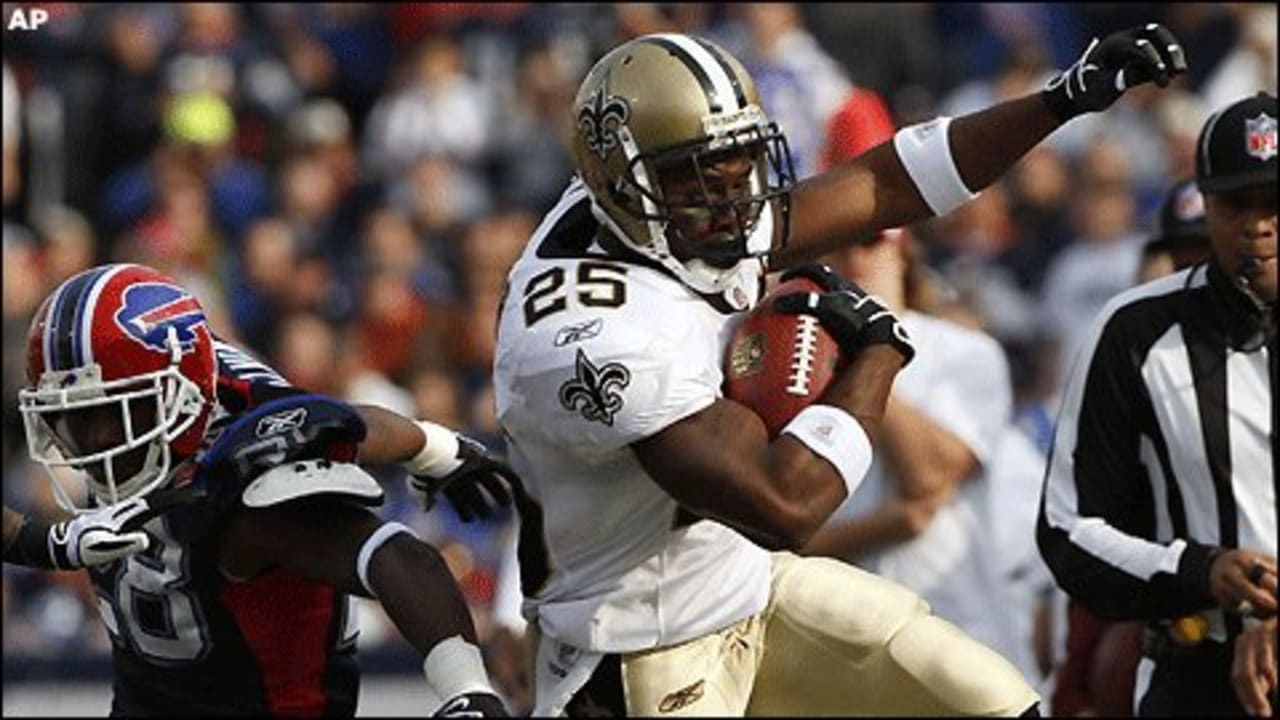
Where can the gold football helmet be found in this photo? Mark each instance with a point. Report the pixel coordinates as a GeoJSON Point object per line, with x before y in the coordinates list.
{"type": "Point", "coordinates": [679, 158]}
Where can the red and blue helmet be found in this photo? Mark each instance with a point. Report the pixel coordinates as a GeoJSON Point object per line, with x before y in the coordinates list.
{"type": "Point", "coordinates": [119, 335]}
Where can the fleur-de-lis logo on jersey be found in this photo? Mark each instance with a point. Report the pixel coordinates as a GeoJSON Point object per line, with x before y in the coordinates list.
{"type": "Point", "coordinates": [600, 119]}
{"type": "Point", "coordinates": [595, 392]}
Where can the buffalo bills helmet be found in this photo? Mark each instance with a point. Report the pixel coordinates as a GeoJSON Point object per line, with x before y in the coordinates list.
{"type": "Point", "coordinates": [121, 380]}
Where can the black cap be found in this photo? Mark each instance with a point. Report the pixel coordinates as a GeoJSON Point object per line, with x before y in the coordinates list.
{"type": "Point", "coordinates": [1237, 146]}
{"type": "Point", "coordinates": [1181, 215]}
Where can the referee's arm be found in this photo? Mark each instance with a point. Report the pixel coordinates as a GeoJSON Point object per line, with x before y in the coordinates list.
{"type": "Point", "coordinates": [1096, 507]}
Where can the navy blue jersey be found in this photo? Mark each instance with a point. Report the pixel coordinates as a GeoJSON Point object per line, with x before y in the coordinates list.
{"type": "Point", "coordinates": [188, 640]}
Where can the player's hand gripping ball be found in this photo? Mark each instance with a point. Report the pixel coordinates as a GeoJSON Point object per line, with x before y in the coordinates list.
{"type": "Point", "coordinates": [778, 363]}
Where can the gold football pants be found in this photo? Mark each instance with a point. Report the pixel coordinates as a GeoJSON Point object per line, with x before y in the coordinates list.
{"type": "Point", "coordinates": [833, 640]}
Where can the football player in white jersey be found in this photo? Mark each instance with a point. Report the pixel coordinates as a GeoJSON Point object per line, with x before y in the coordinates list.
{"type": "Point", "coordinates": [657, 517]}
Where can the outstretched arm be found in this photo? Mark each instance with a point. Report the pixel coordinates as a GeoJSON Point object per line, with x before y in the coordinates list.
{"type": "Point", "coordinates": [88, 539]}
{"type": "Point", "coordinates": [877, 190]}
{"type": "Point", "coordinates": [439, 460]}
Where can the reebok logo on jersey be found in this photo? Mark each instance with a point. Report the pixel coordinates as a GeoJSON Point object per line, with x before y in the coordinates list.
{"type": "Point", "coordinates": [595, 392]}
{"type": "Point", "coordinates": [577, 333]}
{"type": "Point", "coordinates": [281, 422]}
{"type": "Point", "coordinates": [683, 697]}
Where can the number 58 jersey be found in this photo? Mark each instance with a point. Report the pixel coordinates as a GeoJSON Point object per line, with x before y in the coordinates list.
{"type": "Point", "coordinates": [189, 640]}
{"type": "Point", "coordinates": [596, 351]}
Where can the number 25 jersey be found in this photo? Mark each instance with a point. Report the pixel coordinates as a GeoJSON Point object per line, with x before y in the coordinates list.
{"type": "Point", "coordinates": [594, 353]}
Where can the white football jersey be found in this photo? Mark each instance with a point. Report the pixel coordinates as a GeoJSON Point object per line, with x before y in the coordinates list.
{"type": "Point", "coordinates": [593, 354]}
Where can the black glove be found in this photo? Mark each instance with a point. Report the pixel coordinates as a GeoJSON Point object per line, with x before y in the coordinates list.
{"type": "Point", "coordinates": [826, 278]}
{"type": "Point", "coordinates": [1108, 67]}
{"type": "Point", "coordinates": [473, 705]}
{"type": "Point", "coordinates": [475, 488]}
{"type": "Point", "coordinates": [855, 319]}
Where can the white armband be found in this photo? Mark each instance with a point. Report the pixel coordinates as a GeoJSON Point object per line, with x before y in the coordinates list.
{"type": "Point", "coordinates": [838, 437]}
{"type": "Point", "coordinates": [439, 456]}
{"type": "Point", "coordinates": [376, 540]}
{"type": "Point", "coordinates": [925, 152]}
{"type": "Point", "coordinates": [454, 667]}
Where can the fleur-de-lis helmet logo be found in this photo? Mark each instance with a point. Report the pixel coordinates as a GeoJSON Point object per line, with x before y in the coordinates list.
{"type": "Point", "coordinates": [600, 119]}
{"type": "Point", "coordinates": [595, 392]}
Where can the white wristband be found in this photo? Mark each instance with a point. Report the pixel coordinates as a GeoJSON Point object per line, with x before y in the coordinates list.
{"type": "Point", "coordinates": [439, 456]}
{"type": "Point", "coordinates": [925, 152]}
{"type": "Point", "coordinates": [371, 545]}
{"type": "Point", "coordinates": [454, 667]}
{"type": "Point", "coordinates": [836, 436]}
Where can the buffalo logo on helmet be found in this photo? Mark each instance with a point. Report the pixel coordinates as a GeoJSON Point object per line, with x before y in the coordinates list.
{"type": "Point", "coordinates": [1260, 137]}
{"type": "Point", "coordinates": [600, 120]}
{"type": "Point", "coordinates": [151, 308]}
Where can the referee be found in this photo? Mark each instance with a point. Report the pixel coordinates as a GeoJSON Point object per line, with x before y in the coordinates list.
{"type": "Point", "coordinates": [1159, 502]}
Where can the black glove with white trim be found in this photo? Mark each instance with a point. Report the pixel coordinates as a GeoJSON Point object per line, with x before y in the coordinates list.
{"type": "Point", "coordinates": [1109, 67]}
{"type": "Point", "coordinates": [478, 483]}
{"type": "Point", "coordinates": [854, 318]}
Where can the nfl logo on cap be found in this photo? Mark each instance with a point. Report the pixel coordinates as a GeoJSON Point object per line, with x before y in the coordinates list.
{"type": "Point", "coordinates": [1260, 137]}
{"type": "Point", "coordinates": [1237, 147]}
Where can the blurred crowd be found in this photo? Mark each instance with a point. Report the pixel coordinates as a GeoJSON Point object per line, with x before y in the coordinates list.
{"type": "Point", "coordinates": [344, 186]}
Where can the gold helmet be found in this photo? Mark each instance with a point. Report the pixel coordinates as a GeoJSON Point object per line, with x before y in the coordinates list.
{"type": "Point", "coordinates": [679, 158]}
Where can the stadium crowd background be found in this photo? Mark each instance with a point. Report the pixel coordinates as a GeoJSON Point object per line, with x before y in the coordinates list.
{"type": "Point", "coordinates": [345, 184]}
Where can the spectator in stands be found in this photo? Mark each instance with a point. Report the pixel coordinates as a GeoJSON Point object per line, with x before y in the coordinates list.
{"type": "Point", "coordinates": [199, 138]}
{"type": "Point", "coordinates": [12, 105]}
{"type": "Point", "coordinates": [801, 86]}
{"type": "Point", "coordinates": [1101, 260]}
{"type": "Point", "coordinates": [435, 110]}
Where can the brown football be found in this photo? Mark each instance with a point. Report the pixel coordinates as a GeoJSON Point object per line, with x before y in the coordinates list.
{"type": "Point", "coordinates": [778, 364]}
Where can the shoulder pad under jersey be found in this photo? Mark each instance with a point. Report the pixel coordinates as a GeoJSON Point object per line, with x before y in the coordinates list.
{"type": "Point", "coordinates": [288, 430]}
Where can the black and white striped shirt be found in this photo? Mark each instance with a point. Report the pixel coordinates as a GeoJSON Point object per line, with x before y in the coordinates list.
{"type": "Point", "coordinates": [1162, 450]}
